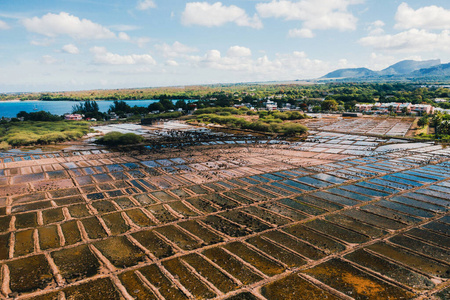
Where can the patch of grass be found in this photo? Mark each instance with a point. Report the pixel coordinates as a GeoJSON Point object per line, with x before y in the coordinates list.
{"type": "Point", "coordinates": [120, 139]}
{"type": "Point", "coordinates": [42, 133]}
{"type": "Point", "coordinates": [4, 146]}
{"type": "Point", "coordinates": [268, 124]}
{"type": "Point", "coordinates": [422, 131]}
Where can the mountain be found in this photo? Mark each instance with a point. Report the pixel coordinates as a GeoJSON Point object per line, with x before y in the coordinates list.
{"type": "Point", "coordinates": [409, 66]}
{"type": "Point", "coordinates": [403, 70]}
{"type": "Point", "coordinates": [440, 70]}
{"type": "Point", "coordinates": [352, 73]}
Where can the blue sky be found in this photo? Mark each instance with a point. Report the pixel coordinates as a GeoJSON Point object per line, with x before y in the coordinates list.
{"type": "Point", "coordinates": [56, 45]}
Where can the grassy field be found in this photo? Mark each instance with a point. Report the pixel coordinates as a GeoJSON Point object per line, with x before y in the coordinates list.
{"type": "Point", "coordinates": [41, 133]}
{"type": "Point", "coordinates": [267, 122]}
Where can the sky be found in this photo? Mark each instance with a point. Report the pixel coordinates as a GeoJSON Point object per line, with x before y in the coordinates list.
{"type": "Point", "coordinates": [67, 45]}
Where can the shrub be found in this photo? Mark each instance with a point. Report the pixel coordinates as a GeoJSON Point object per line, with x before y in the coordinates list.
{"type": "Point", "coordinates": [292, 129]}
{"type": "Point", "coordinates": [118, 139]}
{"type": "Point", "coordinates": [4, 146]}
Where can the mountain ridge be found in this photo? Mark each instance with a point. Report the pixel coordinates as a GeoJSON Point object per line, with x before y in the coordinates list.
{"type": "Point", "coordinates": [402, 70]}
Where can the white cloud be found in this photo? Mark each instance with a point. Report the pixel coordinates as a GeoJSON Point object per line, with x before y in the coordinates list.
{"type": "Point", "coordinates": [413, 40]}
{"type": "Point", "coordinates": [142, 41]}
{"type": "Point", "coordinates": [171, 63]}
{"type": "Point", "coordinates": [53, 25]}
{"type": "Point", "coordinates": [429, 17]}
{"type": "Point", "coordinates": [3, 25]}
{"type": "Point", "coordinates": [284, 66]}
{"type": "Point", "coordinates": [303, 33]}
{"type": "Point", "coordinates": [102, 56]}
{"type": "Point", "coordinates": [49, 60]}
{"type": "Point", "coordinates": [71, 48]}
{"type": "Point", "coordinates": [42, 42]}
{"type": "Point", "coordinates": [146, 4]}
{"type": "Point", "coordinates": [379, 61]}
{"type": "Point", "coordinates": [238, 51]}
{"type": "Point", "coordinates": [175, 50]}
{"type": "Point", "coordinates": [124, 27]}
{"type": "Point", "coordinates": [124, 36]}
{"type": "Point", "coordinates": [376, 28]}
{"type": "Point", "coordinates": [217, 14]}
{"type": "Point", "coordinates": [315, 14]}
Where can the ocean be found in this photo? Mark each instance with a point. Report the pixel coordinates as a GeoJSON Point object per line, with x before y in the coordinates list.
{"type": "Point", "coordinates": [9, 109]}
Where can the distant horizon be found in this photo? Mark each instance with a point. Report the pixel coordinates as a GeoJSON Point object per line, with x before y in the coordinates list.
{"type": "Point", "coordinates": [78, 45]}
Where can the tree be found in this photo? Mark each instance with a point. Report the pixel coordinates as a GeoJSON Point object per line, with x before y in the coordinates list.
{"type": "Point", "coordinates": [89, 109]}
{"type": "Point", "coordinates": [157, 106]}
{"type": "Point", "coordinates": [329, 105]}
{"type": "Point", "coordinates": [423, 121]}
{"type": "Point", "coordinates": [119, 107]}
{"type": "Point", "coordinates": [181, 104]}
{"type": "Point", "coordinates": [167, 104]}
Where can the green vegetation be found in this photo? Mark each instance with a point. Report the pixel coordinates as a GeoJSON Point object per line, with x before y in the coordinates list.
{"type": "Point", "coordinates": [38, 116]}
{"type": "Point", "coordinates": [268, 122]}
{"type": "Point", "coordinates": [120, 139]}
{"type": "Point", "coordinates": [42, 133]}
{"type": "Point", "coordinates": [89, 109]}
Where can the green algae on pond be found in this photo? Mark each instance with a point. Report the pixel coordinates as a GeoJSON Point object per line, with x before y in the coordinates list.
{"type": "Point", "coordinates": [295, 245]}
{"type": "Point", "coordinates": [201, 232]}
{"type": "Point", "coordinates": [139, 218]}
{"type": "Point", "coordinates": [317, 239]}
{"type": "Point", "coordinates": [302, 207]}
{"type": "Point", "coordinates": [341, 233]}
{"type": "Point", "coordinates": [411, 259]}
{"type": "Point", "coordinates": [202, 205]}
{"type": "Point", "coordinates": [135, 287]}
{"type": "Point", "coordinates": [104, 206]}
{"type": "Point", "coordinates": [243, 296]}
{"type": "Point", "coordinates": [225, 226]}
{"type": "Point", "coordinates": [93, 228]}
{"type": "Point", "coordinates": [430, 237]}
{"type": "Point", "coordinates": [266, 215]}
{"type": "Point", "coordinates": [392, 270]}
{"type": "Point", "coordinates": [211, 273]}
{"type": "Point", "coordinates": [24, 243]}
{"type": "Point", "coordinates": [232, 265]}
{"type": "Point", "coordinates": [4, 223]}
{"type": "Point", "coordinates": [116, 223]}
{"type": "Point", "coordinates": [68, 262]}
{"type": "Point", "coordinates": [290, 259]}
{"type": "Point", "coordinates": [48, 237]}
{"type": "Point", "coordinates": [260, 262]}
{"type": "Point", "coordinates": [293, 287]}
{"type": "Point", "coordinates": [166, 287]}
{"type": "Point", "coordinates": [245, 220]}
{"type": "Point", "coordinates": [71, 232]}
{"type": "Point", "coordinates": [26, 220]}
{"type": "Point", "coordinates": [120, 251]}
{"type": "Point", "coordinates": [178, 237]}
{"type": "Point", "coordinates": [182, 209]}
{"type": "Point", "coordinates": [151, 241]}
{"type": "Point", "coordinates": [350, 223]}
{"type": "Point", "coordinates": [353, 282]}
{"type": "Point", "coordinates": [284, 211]}
{"type": "Point", "coordinates": [102, 288]}
{"type": "Point", "coordinates": [422, 248]}
{"type": "Point", "coordinates": [52, 216]}
{"type": "Point", "coordinates": [160, 212]}
{"type": "Point", "coordinates": [4, 246]}
{"type": "Point", "coordinates": [79, 211]}
{"type": "Point", "coordinates": [29, 274]}
{"type": "Point", "coordinates": [195, 286]}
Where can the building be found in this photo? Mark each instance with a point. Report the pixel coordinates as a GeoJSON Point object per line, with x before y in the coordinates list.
{"type": "Point", "coordinates": [270, 105]}
{"type": "Point", "coordinates": [422, 108]}
{"type": "Point", "coordinates": [73, 117]}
